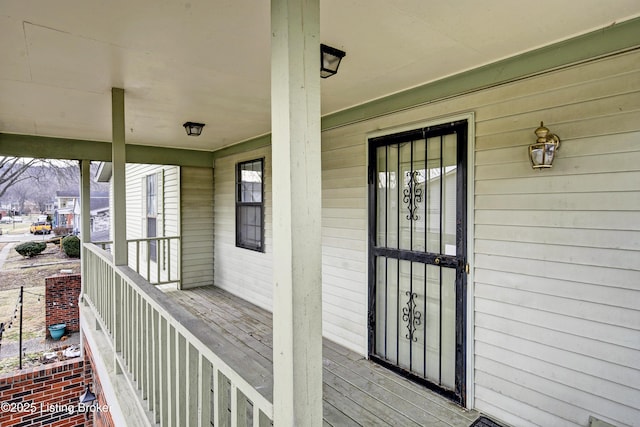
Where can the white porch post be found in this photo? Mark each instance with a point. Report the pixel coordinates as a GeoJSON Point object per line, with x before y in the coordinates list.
{"type": "Point", "coordinates": [85, 229]}
{"type": "Point", "coordinates": [295, 127]}
{"type": "Point", "coordinates": [85, 215]}
{"type": "Point", "coordinates": [85, 201]}
{"type": "Point", "coordinates": [118, 159]}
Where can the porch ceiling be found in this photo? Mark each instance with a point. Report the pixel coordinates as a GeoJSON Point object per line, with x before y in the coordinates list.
{"type": "Point", "coordinates": [209, 61]}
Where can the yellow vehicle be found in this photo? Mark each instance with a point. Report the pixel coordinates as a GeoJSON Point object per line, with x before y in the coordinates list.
{"type": "Point", "coordinates": [40, 228]}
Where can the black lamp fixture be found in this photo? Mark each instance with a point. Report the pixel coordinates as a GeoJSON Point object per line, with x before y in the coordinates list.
{"type": "Point", "coordinates": [330, 58]}
{"type": "Point", "coordinates": [87, 398]}
{"type": "Point", "coordinates": [193, 129]}
{"type": "Point", "coordinates": [544, 150]}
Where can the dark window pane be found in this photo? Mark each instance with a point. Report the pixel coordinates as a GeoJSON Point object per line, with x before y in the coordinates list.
{"type": "Point", "coordinates": [250, 205]}
{"type": "Point", "coordinates": [250, 182]}
{"type": "Point", "coordinates": [152, 195]}
{"type": "Point", "coordinates": [249, 227]}
{"type": "Point", "coordinates": [153, 244]}
{"type": "Point", "coordinates": [152, 213]}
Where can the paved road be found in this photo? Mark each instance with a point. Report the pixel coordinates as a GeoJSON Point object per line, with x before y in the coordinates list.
{"type": "Point", "coordinates": [4, 253]}
{"type": "Point", "coordinates": [23, 237]}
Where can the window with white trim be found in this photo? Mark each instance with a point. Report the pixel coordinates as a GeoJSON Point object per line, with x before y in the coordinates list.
{"type": "Point", "coordinates": [152, 215]}
{"type": "Point", "coordinates": [250, 205]}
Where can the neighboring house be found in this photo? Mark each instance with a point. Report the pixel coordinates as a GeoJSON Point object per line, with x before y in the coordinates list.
{"type": "Point", "coordinates": [100, 219]}
{"type": "Point", "coordinates": [50, 208]}
{"type": "Point", "coordinates": [68, 207]}
{"type": "Point", "coordinates": [444, 256]}
{"type": "Point", "coordinates": [68, 212]}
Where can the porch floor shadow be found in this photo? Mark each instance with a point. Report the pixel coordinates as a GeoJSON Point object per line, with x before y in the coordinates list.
{"type": "Point", "coordinates": [356, 391]}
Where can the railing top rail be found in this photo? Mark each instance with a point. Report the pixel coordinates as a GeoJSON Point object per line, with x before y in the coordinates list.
{"type": "Point", "coordinates": [101, 242]}
{"type": "Point", "coordinates": [98, 251]}
{"type": "Point", "coordinates": [146, 239]}
{"type": "Point", "coordinates": [142, 239]}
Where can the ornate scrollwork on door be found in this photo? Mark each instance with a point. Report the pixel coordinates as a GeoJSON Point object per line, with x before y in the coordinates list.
{"type": "Point", "coordinates": [412, 316]}
{"type": "Point", "coordinates": [412, 195]}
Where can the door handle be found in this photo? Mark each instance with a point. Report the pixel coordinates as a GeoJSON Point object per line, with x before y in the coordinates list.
{"type": "Point", "coordinates": [437, 261]}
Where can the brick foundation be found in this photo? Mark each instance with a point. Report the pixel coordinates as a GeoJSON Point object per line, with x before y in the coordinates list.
{"type": "Point", "coordinates": [101, 418]}
{"type": "Point", "coordinates": [61, 296]}
{"type": "Point", "coordinates": [46, 395]}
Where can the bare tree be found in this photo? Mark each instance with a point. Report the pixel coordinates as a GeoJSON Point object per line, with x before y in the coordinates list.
{"type": "Point", "coordinates": [12, 171]}
{"type": "Point", "coordinates": [37, 180]}
{"type": "Point", "coordinates": [42, 195]}
{"type": "Point", "coordinates": [20, 192]}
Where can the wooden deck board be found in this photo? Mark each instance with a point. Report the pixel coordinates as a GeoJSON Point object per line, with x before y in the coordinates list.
{"type": "Point", "coordinates": [363, 400]}
{"type": "Point", "coordinates": [333, 416]}
{"type": "Point", "coordinates": [356, 392]}
{"type": "Point", "coordinates": [233, 325]}
{"type": "Point", "coordinates": [355, 412]}
{"type": "Point", "coordinates": [251, 360]}
{"type": "Point", "coordinates": [394, 385]}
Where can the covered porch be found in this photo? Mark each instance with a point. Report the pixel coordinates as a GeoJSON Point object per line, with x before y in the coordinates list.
{"type": "Point", "coordinates": [546, 313]}
{"type": "Point", "coordinates": [204, 357]}
{"type": "Point", "coordinates": [356, 391]}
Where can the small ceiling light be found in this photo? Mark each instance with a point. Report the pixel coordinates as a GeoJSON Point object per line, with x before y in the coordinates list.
{"type": "Point", "coordinates": [330, 58]}
{"type": "Point", "coordinates": [193, 129]}
{"type": "Point", "coordinates": [544, 150]}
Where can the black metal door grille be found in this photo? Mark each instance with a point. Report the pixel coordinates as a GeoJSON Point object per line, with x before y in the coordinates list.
{"type": "Point", "coordinates": [417, 255]}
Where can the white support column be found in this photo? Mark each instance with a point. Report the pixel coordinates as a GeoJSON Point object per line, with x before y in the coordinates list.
{"type": "Point", "coordinates": [295, 127]}
{"type": "Point", "coordinates": [85, 229]}
{"type": "Point", "coordinates": [85, 213]}
{"type": "Point", "coordinates": [85, 201]}
{"type": "Point", "coordinates": [118, 159]}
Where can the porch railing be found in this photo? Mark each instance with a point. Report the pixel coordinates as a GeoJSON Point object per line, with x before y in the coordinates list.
{"type": "Point", "coordinates": [157, 259]}
{"type": "Point", "coordinates": [165, 355]}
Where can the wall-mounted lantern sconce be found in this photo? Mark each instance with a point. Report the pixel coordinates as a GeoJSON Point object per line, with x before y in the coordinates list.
{"type": "Point", "coordinates": [544, 150]}
{"type": "Point", "coordinates": [193, 129]}
{"type": "Point", "coordinates": [330, 58]}
{"type": "Point", "coordinates": [87, 398]}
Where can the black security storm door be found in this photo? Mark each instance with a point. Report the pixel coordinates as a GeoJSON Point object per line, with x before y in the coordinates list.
{"type": "Point", "coordinates": [417, 255]}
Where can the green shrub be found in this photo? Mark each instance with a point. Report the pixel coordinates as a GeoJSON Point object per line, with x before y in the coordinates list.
{"type": "Point", "coordinates": [71, 246]}
{"type": "Point", "coordinates": [30, 249]}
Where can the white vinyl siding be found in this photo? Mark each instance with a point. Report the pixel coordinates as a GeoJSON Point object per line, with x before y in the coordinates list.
{"type": "Point", "coordinates": [556, 252]}
{"type": "Point", "coordinates": [197, 227]}
{"type": "Point", "coordinates": [243, 272]}
{"type": "Point", "coordinates": [168, 199]}
{"type": "Point", "coordinates": [344, 240]}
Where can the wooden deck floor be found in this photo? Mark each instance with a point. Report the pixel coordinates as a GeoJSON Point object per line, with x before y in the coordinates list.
{"type": "Point", "coordinates": [356, 391]}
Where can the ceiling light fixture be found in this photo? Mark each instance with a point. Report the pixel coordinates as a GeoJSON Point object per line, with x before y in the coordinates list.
{"type": "Point", "coordinates": [193, 129]}
{"type": "Point", "coordinates": [330, 58]}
